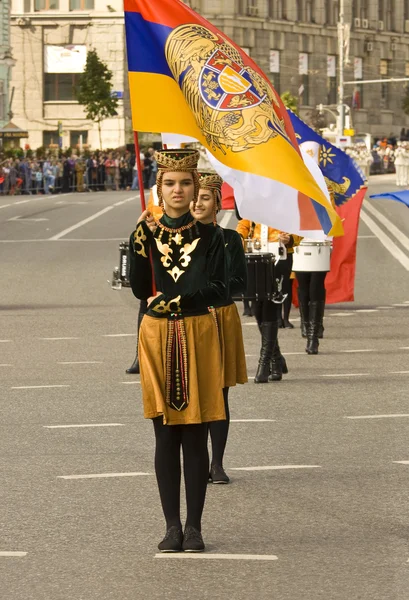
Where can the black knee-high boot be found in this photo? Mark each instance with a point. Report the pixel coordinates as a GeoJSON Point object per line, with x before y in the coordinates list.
{"type": "Point", "coordinates": [268, 338]}
{"type": "Point", "coordinates": [134, 368]}
{"type": "Point", "coordinates": [247, 312]}
{"type": "Point", "coordinates": [305, 317]}
{"type": "Point", "coordinates": [278, 363]}
{"type": "Point", "coordinates": [316, 312]}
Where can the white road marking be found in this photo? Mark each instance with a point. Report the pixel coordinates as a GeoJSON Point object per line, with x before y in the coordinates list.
{"type": "Point", "coordinates": [343, 314]}
{"type": "Point", "coordinates": [21, 202]}
{"type": "Point", "coordinates": [37, 387]}
{"type": "Point", "coordinates": [83, 426]}
{"type": "Point", "coordinates": [355, 351]}
{"type": "Point", "coordinates": [345, 375]}
{"type": "Point", "coordinates": [378, 416]}
{"type": "Point", "coordinates": [131, 382]}
{"type": "Point", "coordinates": [91, 218]}
{"type": "Point", "coordinates": [252, 421]}
{"type": "Point", "coordinates": [384, 307]}
{"type": "Point", "coordinates": [226, 219]}
{"type": "Point", "coordinates": [13, 554]}
{"type": "Point", "coordinates": [101, 475]}
{"type": "Point", "coordinates": [399, 372]}
{"type": "Point", "coordinates": [80, 362]}
{"type": "Point", "coordinates": [276, 468]}
{"type": "Point", "coordinates": [119, 335]}
{"type": "Point", "coordinates": [366, 310]}
{"type": "Point", "coordinates": [400, 236]}
{"type": "Point", "coordinates": [401, 462]}
{"type": "Point", "coordinates": [5, 341]}
{"type": "Point", "coordinates": [5, 206]}
{"type": "Point", "coordinates": [385, 240]}
{"type": "Point", "coordinates": [59, 338]}
{"type": "Point", "coordinates": [402, 348]}
{"type": "Point", "coordinates": [402, 305]}
{"type": "Point", "coordinates": [6, 365]}
{"type": "Point", "coordinates": [19, 218]}
{"type": "Point", "coordinates": [209, 556]}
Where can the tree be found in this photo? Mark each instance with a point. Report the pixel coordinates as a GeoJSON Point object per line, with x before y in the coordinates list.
{"type": "Point", "coordinates": [290, 101]}
{"type": "Point", "coordinates": [94, 91]}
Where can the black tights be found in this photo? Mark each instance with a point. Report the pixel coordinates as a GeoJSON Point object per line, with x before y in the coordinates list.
{"type": "Point", "coordinates": [219, 430]}
{"type": "Point", "coordinates": [193, 440]}
{"type": "Point", "coordinates": [311, 286]}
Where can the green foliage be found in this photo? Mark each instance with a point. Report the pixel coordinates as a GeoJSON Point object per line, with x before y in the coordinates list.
{"type": "Point", "coordinates": [94, 90]}
{"type": "Point", "coordinates": [290, 101]}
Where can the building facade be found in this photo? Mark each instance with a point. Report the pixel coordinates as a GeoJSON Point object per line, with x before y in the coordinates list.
{"type": "Point", "coordinates": [50, 39]}
{"type": "Point", "coordinates": [295, 42]}
{"type": "Point", "coordinates": [6, 61]}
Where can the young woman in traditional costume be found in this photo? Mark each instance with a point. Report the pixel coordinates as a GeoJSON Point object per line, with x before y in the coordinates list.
{"type": "Point", "coordinates": [228, 320]}
{"type": "Point", "coordinates": [179, 351]}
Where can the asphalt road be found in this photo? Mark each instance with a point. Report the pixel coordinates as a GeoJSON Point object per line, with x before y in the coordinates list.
{"type": "Point", "coordinates": [334, 528]}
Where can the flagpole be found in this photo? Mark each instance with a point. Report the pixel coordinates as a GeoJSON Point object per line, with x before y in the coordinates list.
{"type": "Point", "coordinates": [142, 195]}
{"type": "Point", "coordinates": [139, 168]}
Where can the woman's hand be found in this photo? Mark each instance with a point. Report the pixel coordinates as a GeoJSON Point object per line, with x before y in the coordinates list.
{"type": "Point", "coordinates": [149, 219]}
{"type": "Point", "coordinates": [152, 298]}
{"type": "Point", "coordinates": [284, 238]}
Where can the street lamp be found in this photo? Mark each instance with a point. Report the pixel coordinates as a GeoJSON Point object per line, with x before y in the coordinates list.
{"type": "Point", "coordinates": [7, 59]}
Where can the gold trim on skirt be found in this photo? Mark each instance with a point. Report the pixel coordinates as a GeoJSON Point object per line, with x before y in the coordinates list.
{"type": "Point", "coordinates": [232, 346]}
{"type": "Point", "coordinates": [204, 371]}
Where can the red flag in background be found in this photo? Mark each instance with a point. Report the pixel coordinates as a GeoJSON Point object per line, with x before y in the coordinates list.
{"type": "Point", "coordinates": [227, 197]}
{"type": "Point", "coordinates": [340, 281]}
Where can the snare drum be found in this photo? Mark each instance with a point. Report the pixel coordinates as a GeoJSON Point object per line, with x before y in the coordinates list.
{"type": "Point", "coordinates": [120, 276]}
{"type": "Point", "coordinates": [312, 256]}
{"type": "Point", "coordinates": [260, 276]}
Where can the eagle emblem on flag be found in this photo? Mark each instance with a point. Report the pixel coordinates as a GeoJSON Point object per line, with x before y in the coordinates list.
{"type": "Point", "coordinates": [234, 106]}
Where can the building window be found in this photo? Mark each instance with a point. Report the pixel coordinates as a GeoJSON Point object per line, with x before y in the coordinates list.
{"type": "Point", "coordinates": [50, 138]}
{"type": "Point", "coordinates": [331, 79]}
{"type": "Point", "coordinates": [384, 72]}
{"type": "Point", "coordinates": [303, 90]}
{"type": "Point", "coordinates": [358, 92]}
{"type": "Point", "coordinates": [310, 11]}
{"type": "Point", "coordinates": [60, 86]}
{"type": "Point", "coordinates": [75, 138]}
{"type": "Point", "coordinates": [406, 10]}
{"type": "Point", "coordinates": [275, 69]}
{"type": "Point", "coordinates": [277, 9]}
{"type": "Point", "coordinates": [81, 4]}
{"type": "Point", "coordinates": [249, 7]}
{"type": "Point", "coordinates": [27, 6]}
{"type": "Point", "coordinates": [363, 14]}
{"type": "Point", "coordinates": [46, 5]}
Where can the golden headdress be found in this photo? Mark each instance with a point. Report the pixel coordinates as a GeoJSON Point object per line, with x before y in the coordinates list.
{"type": "Point", "coordinates": [209, 180]}
{"type": "Point", "coordinates": [183, 160]}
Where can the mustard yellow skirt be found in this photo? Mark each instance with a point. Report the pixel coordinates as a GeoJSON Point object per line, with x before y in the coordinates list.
{"type": "Point", "coordinates": [204, 369]}
{"type": "Point", "coordinates": [231, 345]}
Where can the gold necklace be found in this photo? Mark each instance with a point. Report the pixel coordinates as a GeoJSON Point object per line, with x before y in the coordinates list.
{"type": "Point", "coordinates": [176, 232]}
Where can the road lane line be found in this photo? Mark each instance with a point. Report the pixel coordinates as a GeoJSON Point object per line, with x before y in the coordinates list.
{"type": "Point", "coordinates": [343, 314]}
{"type": "Point", "coordinates": [59, 338]}
{"type": "Point", "coordinates": [5, 365]}
{"type": "Point", "coordinates": [113, 335]}
{"type": "Point", "coordinates": [13, 554]}
{"type": "Point", "coordinates": [402, 348]}
{"type": "Point", "coordinates": [209, 556]}
{"type": "Point", "coordinates": [345, 375]}
{"type": "Point", "coordinates": [397, 416]}
{"type": "Point", "coordinates": [5, 341]}
{"type": "Point", "coordinates": [355, 351]}
{"type": "Point", "coordinates": [84, 425]}
{"type": "Point", "coordinates": [101, 475]}
{"type": "Point", "coordinates": [252, 421]}
{"type": "Point", "coordinates": [38, 387]}
{"type": "Point", "coordinates": [385, 240]}
{"type": "Point", "coordinates": [399, 235]}
{"type": "Point", "coordinates": [80, 362]}
{"type": "Point", "coordinates": [401, 462]}
{"type": "Point", "coordinates": [275, 468]}
{"type": "Point", "coordinates": [404, 305]}
{"type": "Point", "coordinates": [91, 218]}
{"type": "Point", "coordinates": [399, 372]}
{"type": "Point", "coordinates": [366, 310]}
{"type": "Point", "coordinates": [5, 206]}
{"type": "Point", "coordinates": [130, 382]}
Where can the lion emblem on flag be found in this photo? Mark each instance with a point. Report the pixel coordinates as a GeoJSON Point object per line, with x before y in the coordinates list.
{"type": "Point", "coordinates": [234, 106]}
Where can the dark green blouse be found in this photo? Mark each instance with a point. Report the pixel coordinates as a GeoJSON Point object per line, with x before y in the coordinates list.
{"type": "Point", "coordinates": [236, 263]}
{"type": "Point", "coordinates": [189, 267]}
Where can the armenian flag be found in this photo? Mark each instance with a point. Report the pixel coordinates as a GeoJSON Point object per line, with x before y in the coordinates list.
{"type": "Point", "coordinates": [188, 78]}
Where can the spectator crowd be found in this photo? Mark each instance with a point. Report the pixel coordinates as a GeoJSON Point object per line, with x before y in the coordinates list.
{"type": "Point", "coordinates": [95, 173]}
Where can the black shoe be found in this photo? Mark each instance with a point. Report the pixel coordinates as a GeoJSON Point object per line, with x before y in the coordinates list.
{"type": "Point", "coordinates": [276, 371]}
{"type": "Point", "coordinates": [192, 540]}
{"type": "Point", "coordinates": [218, 474]}
{"type": "Point", "coordinates": [288, 325]}
{"type": "Point", "coordinates": [268, 339]}
{"type": "Point", "coordinates": [134, 368]}
{"type": "Point", "coordinates": [172, 542]}
{"type": "Point", "coordinates": [316, 314]}
{"type": "Point", "coordinates": [247, 312]}
{"type": "Point", "coordinates": [284, 367]}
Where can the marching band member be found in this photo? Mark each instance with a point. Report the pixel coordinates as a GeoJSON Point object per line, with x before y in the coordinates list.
{"type": "Point", "coordinates": [228, 320]}
{"type": "Point", "coordinates": [311, 298]}
{"type": "Point", "coordinates": [154, 209]}
{"type": "Point", "coordinates": [272, 363]}
{"type": "Point", "coordinates": [179, 349]}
